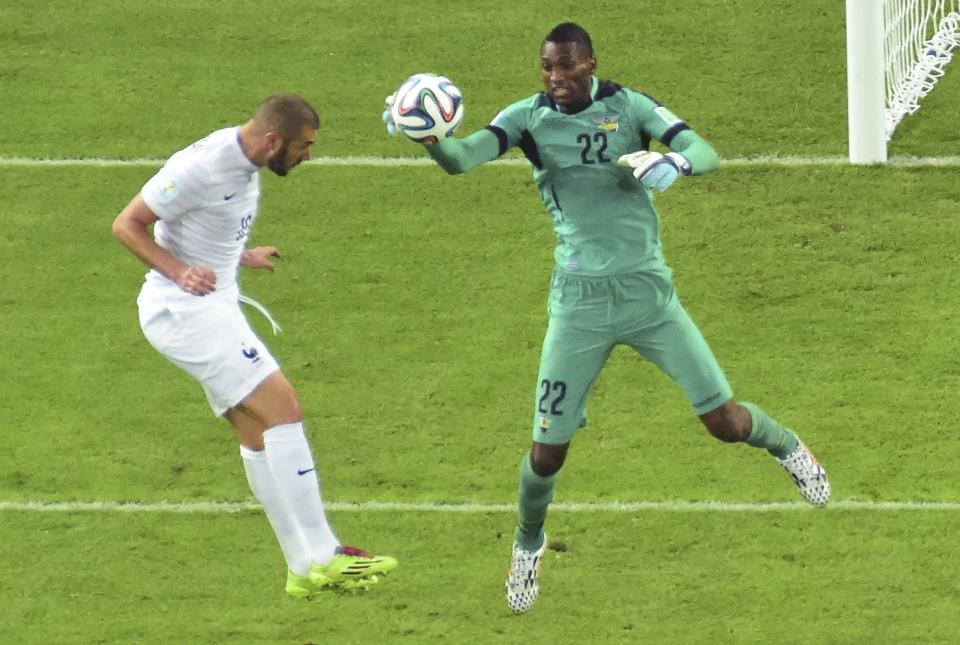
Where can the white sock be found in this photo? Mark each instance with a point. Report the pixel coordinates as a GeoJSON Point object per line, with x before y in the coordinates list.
{"type": "Point", "coordinates": [285, 527]}
{"type": "Point", "coordinates": [293, 468]}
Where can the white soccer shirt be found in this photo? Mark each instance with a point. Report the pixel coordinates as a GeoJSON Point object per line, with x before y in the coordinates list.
{"type": "Point", "coordinates": [206, 196]}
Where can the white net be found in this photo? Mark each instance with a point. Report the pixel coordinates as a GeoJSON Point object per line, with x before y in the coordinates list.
{"type": "Point", "coordinates": [919, 38]}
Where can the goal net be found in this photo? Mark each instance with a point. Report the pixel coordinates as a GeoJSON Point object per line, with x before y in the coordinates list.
{"type": "Point", "coordinates": [896, 52]}
{"type": "Point", "coordinates": [919, 38]}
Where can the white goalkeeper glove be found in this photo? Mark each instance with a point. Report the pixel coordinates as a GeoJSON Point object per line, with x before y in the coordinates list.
{"type": "Point", "coordinates": [654, 170]}
{"type": "Point", "coordinates": [388, 114]}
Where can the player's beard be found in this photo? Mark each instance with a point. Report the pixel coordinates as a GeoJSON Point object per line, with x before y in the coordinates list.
{"type": "Point", "coordinates": [278, 162]}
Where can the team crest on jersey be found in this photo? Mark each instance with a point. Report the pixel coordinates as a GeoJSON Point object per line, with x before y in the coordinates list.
{"type": "Point", "coordinates": [544, 424]}
{"type": "Point", "coordinates": [168, 191]}
{"type": "Point", "coordinates": [609, 122]}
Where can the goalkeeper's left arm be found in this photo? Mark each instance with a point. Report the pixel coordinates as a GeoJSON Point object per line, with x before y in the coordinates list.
{"type": "Point", "coordinates": [697, 151]}
{"type": "Point", "coordinates": [690, 154]}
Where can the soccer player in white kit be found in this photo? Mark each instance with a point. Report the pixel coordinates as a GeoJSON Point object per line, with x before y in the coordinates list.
{"type": "Point", "coordinates": [202, 204]}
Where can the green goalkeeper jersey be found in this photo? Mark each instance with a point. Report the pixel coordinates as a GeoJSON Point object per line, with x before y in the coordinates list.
{"type": "Point", "coordinates": [604, 219]}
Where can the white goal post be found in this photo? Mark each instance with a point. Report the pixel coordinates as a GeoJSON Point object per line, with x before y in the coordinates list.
{"type": "Point", "coordinates": [896, 52]}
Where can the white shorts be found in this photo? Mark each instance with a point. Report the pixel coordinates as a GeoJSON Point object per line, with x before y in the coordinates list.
{"type": "Point", "coordinates": [215, 345]}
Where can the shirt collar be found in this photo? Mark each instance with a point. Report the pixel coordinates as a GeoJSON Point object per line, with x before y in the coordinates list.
{"type": "Point", "coordinates": [247, 161]}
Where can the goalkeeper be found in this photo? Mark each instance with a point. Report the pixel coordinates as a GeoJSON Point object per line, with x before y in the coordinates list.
{"type": "Point", "coordinates": [588, 141]}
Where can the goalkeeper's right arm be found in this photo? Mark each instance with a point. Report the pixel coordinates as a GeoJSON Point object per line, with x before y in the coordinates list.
{"type": "Point", "coordinates": [460, 155]}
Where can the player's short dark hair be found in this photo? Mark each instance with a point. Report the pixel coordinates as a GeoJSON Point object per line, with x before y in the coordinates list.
{"type": "Point", "coordinates": [571, 32]}
{"type": "Point", "coordinates": [287, 115]}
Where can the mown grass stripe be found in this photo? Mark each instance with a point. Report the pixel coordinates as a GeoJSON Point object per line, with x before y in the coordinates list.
{"type": "Point", "coordinates": [760, 160]}
{"type": "Point", "coordinates": [680, 506]}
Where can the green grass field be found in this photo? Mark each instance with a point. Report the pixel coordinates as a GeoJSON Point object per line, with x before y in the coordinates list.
{"type": "Point", "coordinates": [414, 305]}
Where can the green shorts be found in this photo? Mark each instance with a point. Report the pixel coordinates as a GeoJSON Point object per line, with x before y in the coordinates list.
{"type": "Point", "coordinates": [588, 317]}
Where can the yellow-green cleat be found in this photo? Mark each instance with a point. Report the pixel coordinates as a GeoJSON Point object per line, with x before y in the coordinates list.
{"type": "Point", "coordinates": [351, 569]}
{"type": "Point", "coordinates": [301, 586]}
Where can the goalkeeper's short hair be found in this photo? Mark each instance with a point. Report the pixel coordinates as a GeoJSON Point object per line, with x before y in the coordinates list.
{"type": "Point", "coordinates": [570, 32]}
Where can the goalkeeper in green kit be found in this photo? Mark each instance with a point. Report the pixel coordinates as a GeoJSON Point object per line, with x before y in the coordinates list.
{"type": "Point", "coordinates": [588, 142]}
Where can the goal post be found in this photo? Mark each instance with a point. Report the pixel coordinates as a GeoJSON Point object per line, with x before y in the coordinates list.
{"type": "Point", "coordinates": [896, 52]}
{"type": "Point", "coordinates": [866, 108]}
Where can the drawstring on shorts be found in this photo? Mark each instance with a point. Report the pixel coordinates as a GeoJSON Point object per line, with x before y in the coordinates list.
{"type": "Point", "coordinates": [263, 310]}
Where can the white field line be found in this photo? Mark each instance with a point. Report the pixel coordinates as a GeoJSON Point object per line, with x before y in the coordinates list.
{"type": "Point", "coordinates": [677, 506]}
{"type": "Point", "coordinates": [763, 160]}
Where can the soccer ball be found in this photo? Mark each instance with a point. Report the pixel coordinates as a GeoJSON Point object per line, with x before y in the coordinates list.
{"type": "Point", "coordinates": [427, 108]}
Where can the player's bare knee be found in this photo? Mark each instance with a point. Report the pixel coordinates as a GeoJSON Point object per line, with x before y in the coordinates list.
{"type": "Point", "coordinates": [545, 467]}
{"type": "Point", "coordinates": [726, 433]}
{"type": "Point", "coordinates": [274, 402]}
{"type": "Point", "coordinates": [296, 411]}
{"type": "Point", "coordinates": [729, 423]}
{"type": "Point", "coordinates": [547, 460]}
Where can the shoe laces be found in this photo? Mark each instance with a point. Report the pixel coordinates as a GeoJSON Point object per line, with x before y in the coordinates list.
{"type": "Point", "coordinates": [352, 551]}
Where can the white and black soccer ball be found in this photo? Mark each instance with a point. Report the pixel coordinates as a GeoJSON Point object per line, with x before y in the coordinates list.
{"type": "Point", "coordinates": [427, 108]}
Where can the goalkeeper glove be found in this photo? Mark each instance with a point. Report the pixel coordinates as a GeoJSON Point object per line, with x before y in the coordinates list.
{"type": "Point", "coordinates": [388, 115]}
{"type": "Point", "coordinates": [655, 170]}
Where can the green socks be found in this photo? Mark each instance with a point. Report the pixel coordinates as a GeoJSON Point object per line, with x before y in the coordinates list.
{"type": "Point", "coordinates": [535, 495]}
{"type": "Point", "coordinates": [767, 433]}
{"type": "Point", "coordinates": [536, 492]}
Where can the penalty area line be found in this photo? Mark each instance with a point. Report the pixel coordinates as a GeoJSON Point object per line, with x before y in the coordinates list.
{"type": "Point", "coordinates": [675, 506]}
